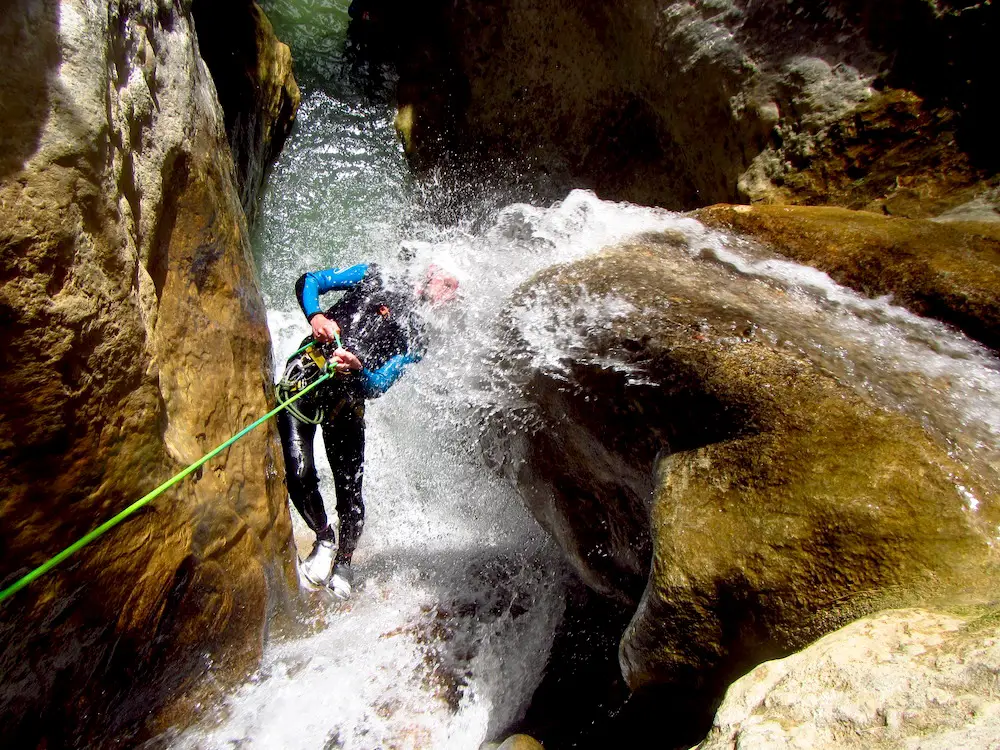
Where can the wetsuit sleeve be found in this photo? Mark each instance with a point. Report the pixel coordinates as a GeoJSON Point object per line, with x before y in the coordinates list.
{"type": "Point", "coordinates": [378, 381]}
{"type": "Point", "coordinates": [311, 286]}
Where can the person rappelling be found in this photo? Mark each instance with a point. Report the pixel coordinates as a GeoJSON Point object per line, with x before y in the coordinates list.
{"type": "Point", "coordinates": [368, 338]}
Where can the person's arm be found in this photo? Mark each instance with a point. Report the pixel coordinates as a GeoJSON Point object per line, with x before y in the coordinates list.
{"type": "Point", "coordinates": [311, 285]}
{"type": "Point", "coordinates": [378, 381]}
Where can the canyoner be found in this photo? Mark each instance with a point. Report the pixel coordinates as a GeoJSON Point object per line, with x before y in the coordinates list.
{"type": "Point", "coordinates": [369, 337]}
{"type": "Point", "coordinates": [330, 383]}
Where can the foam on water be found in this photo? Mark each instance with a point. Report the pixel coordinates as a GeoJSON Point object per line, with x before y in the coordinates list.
{"type": "Point", "coordinates": [459, 591]}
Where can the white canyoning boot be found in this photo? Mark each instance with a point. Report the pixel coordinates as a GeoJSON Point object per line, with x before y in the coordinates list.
{"type": "Point", "coordinates": [318, 566]}
{"type": "Point", "coordinates": [341, 580]}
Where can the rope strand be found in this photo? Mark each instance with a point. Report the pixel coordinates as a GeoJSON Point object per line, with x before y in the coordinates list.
{"type": "Point", "coordinates": [112, 522]}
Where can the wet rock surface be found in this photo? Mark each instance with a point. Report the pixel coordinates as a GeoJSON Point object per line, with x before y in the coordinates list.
{"type": "Point", "coordinates": [783, 504]}
{"type": "Point", "coordinates": [687, 103]}
{"type": "Point", "coordinates": [944, 270]}
{"type": "Point", "coordinates": [135, 341]}
{"type": "Point", "coordinates": [893, 153]}
{"type": "Point", "coordinates": [897, 679]}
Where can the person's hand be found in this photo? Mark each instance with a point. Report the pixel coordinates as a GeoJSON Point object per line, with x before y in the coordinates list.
{"type": "Point", "coordinates": [324, 329]}
{"type": "Point", "coordinates": [346, 361]}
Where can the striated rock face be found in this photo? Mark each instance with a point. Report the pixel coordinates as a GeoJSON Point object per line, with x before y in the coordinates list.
{"type": "Point", "coordinates": [784, 503]}
{"type": "Point", "coordinates": [684, 103]}
{"type": "Point", "coordinates": [134, 341]}
{"type": "Point", "coordinates": [898, 679]}
{"type": "Point", "coordinates": [894, 154]}
{"type": "Point", "coordinates": [944, 270]}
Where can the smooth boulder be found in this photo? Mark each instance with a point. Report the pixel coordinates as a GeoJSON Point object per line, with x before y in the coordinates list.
{"type": "Point", "coordinates": [944, 270]}
{"type": "Point", "coordinates": [900, 678]}
{"type": "Point", "coordinates": [671, 432]}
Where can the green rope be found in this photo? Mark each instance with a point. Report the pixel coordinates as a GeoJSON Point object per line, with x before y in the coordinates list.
{"type": "Point", "coordinates": [313, 343]}
{"type": "Point", "coordinates": [111, 523]}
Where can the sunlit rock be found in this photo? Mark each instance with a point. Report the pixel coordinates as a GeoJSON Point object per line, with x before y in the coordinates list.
{"type": "Point", "coordinates": [945, 270]}
{"type": "Point", "coordinates": [134, 341]}
{"type": "Point", "coordinates": [784, 502]}
{"type": "Point", "coordinates": [519, 742]}
{"type": "Point", "coordinates": [891, 153]}
{"type": "Point", "coordinates": [896, 679]}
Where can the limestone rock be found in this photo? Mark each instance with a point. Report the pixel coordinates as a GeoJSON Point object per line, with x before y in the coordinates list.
{"type": "Point", "coordinates": [949, 271]}
{"type": "Point", "coordinates": [983, 206]}
{"type": "Point", "coordinates": [514, 742]}
{"type": "Point", "coordinates": [784, 504]}
{"type": "Point", "coordinates": [134, 340]}
{"type": "Point", "coordinates": [892, 153]}
{"type": "Point", "coordinates": [520, 742]}
{"type": "Point", "coordinates": [904, 678]}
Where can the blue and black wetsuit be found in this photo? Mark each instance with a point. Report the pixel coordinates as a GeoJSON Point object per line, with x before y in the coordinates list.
{"type": "Point", "coordinates": [378, 323]}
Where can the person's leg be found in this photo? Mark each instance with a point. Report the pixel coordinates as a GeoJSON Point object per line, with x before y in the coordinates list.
{"type": "Point", "coordinates": [300, 473]}
{"type": "Point", "coordinates": [345, 447]}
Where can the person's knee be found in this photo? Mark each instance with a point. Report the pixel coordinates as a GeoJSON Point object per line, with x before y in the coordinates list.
{"type": "Point", "coordinates": [302, 477]}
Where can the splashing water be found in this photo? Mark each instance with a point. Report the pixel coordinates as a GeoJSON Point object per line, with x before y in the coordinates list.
{"type": "Point", "coordinates": [458, 590]}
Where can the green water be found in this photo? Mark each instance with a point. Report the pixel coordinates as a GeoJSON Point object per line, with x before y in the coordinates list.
{"type": "Point", "coordinates": [341, 192]}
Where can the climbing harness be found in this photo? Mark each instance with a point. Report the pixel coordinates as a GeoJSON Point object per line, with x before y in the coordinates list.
{"type": "Point", "coordinates": [325, 372]}
{"type": "Point", "coordinates": [303, 368]}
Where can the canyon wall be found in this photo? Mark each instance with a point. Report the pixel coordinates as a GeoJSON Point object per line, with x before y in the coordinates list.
{"type": "Point", "coordinates": [684, 103]}
{"type": "Point", "coordinates": [134, 340]}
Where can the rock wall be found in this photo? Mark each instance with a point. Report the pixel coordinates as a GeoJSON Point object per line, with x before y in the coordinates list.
{"type": "Point", "coordinates": [683, 103]}
{"type": "Point", "coordinates": [944, 270]}
{"type": "Point", "coordinates": [252, 72]}
{"type": "Point", "coordinates": [134, 340]}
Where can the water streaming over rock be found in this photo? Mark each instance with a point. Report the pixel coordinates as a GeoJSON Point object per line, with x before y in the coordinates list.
{"type": "Point", "coordinates": [459, 591]}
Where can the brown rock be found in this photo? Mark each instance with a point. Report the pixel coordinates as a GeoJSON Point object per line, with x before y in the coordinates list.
{"type": "Point", "coordinates": [949, 271]}
{"type": "Point", "coordinates": [520, 742]}
{"type": "Point", "coordinates": [252, 72]}
{"type": "Point", "coordinates": [135, 341]}
{"type": "Point", "coordinates": [892, 154]}
{"type": "Point", "coordinates": [785, 503]}
{"type": "Point", "coordinates": [682, 104]}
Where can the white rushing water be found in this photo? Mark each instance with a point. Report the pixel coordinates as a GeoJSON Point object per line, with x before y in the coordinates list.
{"type": "Point", "coordinates": [459, 591]}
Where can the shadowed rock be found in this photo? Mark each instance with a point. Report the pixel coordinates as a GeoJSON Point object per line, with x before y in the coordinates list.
{"type": "Point", "coordinates": [252, 73]}
{"type": "Point", "coordinates": [684, 103]}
